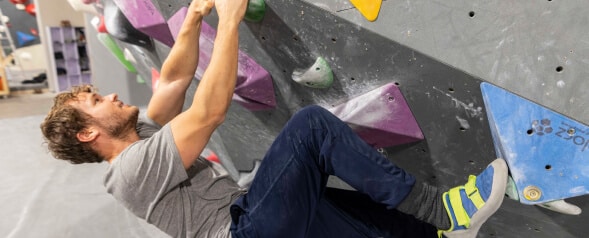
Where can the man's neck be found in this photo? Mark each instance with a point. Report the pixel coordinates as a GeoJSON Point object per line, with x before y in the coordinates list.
{"type": "Point", "coordinates": [111, 147]}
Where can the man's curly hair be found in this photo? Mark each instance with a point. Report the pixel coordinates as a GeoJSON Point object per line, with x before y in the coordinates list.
{"type": "Point", "coordinates": [62, 124]}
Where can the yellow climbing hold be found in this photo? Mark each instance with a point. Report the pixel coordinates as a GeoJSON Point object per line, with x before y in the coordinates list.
{"type": "Point", "coordinates": [368, 8]}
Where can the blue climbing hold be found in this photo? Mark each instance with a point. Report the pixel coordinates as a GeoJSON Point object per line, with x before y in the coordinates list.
{"type": "Point", "coordinates": [24, 38]}
{"type": "Point", "coordinates": [547, 152]}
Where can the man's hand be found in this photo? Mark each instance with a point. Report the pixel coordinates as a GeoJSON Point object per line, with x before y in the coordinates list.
{"type": "Point", "coordinates": [202, 7]}
{"type": "Point", "coordinates": [231, 11]}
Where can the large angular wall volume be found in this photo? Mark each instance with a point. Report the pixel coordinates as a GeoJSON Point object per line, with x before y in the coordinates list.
{"type": "Point", "coordinates": [254, 89]}
{"type": "Point", "coordinates": [381, 117]}
{"type": "Point", "coordinates": [547, 152]}
{"type": "Point", "coordinates": [119, 27]}
{"type": "Point", "coordinates": [146, 17]}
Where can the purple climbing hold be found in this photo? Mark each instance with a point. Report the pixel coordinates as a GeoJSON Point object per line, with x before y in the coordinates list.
{"type": "Point", "coordinates": [381, 117]}
{"type": "Point", "coordinates": [175, 22]}
{"type": "Point", "coordinates": [121, 29]}
{"type": "Point", "coordinates": [146, 17]}
{"type": "Point", "coordinates": [254, 89]}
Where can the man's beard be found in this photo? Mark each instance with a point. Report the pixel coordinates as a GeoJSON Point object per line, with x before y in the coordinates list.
{"type": "Point", "coordinates": [118, 127]}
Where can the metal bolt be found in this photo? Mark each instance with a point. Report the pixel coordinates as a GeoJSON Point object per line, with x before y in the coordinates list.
{"type": "Point", "coordinates": [532, 193]}
{"type": "Point", "coordinates": [571, 131]}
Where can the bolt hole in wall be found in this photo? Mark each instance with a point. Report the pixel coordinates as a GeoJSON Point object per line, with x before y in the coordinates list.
{"type": "Point", "coordinates": [548, 167]}
{"type": "Point", "coordinates": [559, 69]}
{"type": "Point", "coordinates": [471, 14]}
{"type": "Point", "coordinates": [530, 131]}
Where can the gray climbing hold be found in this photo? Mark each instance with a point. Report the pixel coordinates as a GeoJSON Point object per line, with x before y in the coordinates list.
{"type": "Point", "coordinates": [317, 76]}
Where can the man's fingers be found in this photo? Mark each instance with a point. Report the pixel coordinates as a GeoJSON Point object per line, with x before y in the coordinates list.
{"type": "Point", "coordinates": [203, 6]}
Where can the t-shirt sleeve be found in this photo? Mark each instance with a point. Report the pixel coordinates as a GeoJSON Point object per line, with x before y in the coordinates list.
{"type": "Point", "coordinates": [144, 172]}
{"type": "Point", "coordinates": [146, 127]}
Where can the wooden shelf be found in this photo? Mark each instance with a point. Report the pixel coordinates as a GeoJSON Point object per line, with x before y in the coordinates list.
{"type": "Point", "coordinates": [4, 87]}
{"type": "Point", "coordinates": [68, 58]}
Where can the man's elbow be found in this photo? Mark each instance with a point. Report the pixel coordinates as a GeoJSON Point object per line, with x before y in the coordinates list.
{"type": "Point", "coordinates": [209, 117]}
{"type": "Point", "coordinates": [216, 119]}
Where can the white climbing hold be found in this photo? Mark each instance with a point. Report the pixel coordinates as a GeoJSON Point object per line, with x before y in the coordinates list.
{"type": "Point", "coordinates": [129, 56]}
{"type": "Point", "coordinates": [562, 207]}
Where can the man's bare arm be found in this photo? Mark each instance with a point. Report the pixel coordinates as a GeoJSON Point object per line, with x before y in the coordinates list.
{"type": "Point", "coordinates": [192, 129]}
{"type": "Point", "coordinates": [179, 67]}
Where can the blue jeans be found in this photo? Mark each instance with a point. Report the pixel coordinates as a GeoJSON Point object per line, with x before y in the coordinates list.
{"type": "Point", "coordinates": [287, 197]}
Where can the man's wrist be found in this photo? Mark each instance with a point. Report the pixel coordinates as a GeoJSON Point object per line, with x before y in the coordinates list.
{"type": "Point", "coordinates": [196, 17]}
{"type": "Point", "coordinates": [228, 24]}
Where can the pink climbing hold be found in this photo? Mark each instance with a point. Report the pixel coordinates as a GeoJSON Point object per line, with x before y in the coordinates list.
{"type": "Point", "coordinates": [210, 155]}
{"type": "Point", "coordinates": [155, 78]}
{"type": "Point", "coordinates": [254, 89]}
{"type": "Point", "coordinates": [381, 117]}
{"type": "Point", "coordinates": [146, 17]}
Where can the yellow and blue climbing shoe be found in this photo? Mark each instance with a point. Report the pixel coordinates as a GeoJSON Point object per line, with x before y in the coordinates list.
{"type": "Point", "coordinates": [470, 205]}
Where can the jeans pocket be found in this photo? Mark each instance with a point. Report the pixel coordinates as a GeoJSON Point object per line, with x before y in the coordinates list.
{"type": "Point", "coordinates": [241, 226]}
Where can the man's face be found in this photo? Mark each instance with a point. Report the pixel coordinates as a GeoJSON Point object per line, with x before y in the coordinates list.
{"type": "Point", "coordinates": [108, 112]}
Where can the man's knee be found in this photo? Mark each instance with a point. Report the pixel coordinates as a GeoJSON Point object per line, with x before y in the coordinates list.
{"type": "Point", "coordinates": [315, 116]}
{"type": "Point", "coordinates": [312, 111]}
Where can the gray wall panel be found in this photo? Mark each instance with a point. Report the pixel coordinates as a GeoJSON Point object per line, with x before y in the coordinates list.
{"type": "Point", "coordinates": [438, 55]}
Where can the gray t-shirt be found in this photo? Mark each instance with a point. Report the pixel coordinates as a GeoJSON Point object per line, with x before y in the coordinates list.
{"type": "Point", "coordinates": [148, 178]}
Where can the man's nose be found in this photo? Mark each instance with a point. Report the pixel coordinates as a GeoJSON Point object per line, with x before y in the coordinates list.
{"type": "Point", "coordinates": [112, 97]}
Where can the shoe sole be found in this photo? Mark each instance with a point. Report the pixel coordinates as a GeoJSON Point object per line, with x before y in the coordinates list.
{"type": "Point", "coordinates": [500, 173]}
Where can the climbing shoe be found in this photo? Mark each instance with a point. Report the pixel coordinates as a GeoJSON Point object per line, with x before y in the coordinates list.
{"type": "Point", "coordinates": [470, 205]}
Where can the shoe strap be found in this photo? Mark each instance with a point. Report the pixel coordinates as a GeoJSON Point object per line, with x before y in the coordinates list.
{"type": "Point", "coordinates": [472, 192]}
{"type": "Point", "coordinates": [459, 212]}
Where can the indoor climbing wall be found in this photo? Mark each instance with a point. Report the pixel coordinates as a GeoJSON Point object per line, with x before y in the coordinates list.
{"type": "Point", "coordinates": [439, 87]}
{"type": "Point", "coordinates": [19, 19]}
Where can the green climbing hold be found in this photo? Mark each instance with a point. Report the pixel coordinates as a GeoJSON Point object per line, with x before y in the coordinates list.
{"type": "Point", "coordinates": [255, 10]}
{"type": "Point", "coordinates": [112, 46]}
{"type": "Point", "coordinates": [317, 76]}
{"type": "Point", "coordinates": [511, 190]}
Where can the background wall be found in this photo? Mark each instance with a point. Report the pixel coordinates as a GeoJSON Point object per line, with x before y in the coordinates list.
{"type": "Point", "coordinates": [29, 57]}
{"type": "Point", "coordinates": [107, 74]}
{"type": "Point", "coordinates": [20, 21]}
{"type": "Point", "coordinates": [51, 13]}
{"type": "Point", "coordinates": [32, 57]}
{"type": "Point", "coordinates": [110, 76]}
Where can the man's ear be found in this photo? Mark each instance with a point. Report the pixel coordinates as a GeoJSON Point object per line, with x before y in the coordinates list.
{"type": "Point", "coordinates": [87, 134]}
